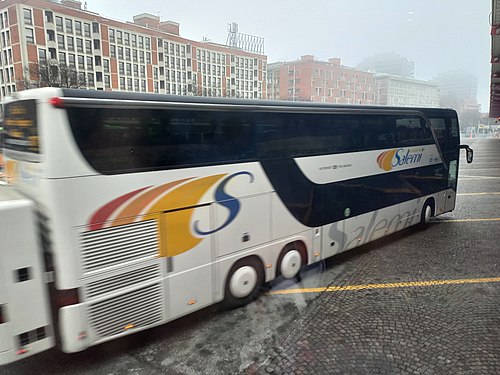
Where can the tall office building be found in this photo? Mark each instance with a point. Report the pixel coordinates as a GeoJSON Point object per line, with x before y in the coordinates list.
{"type": "Point", "coordinates": [42, 39]}
{"type": "Point", "coordinates": [308, 79]}
{"type": "Point", "coordinates": [389, 63]}
{"type": "Point", "coordinates": [456, 86]}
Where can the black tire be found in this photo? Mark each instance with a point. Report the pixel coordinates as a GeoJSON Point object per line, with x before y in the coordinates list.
{"type": "Point", "coordinates": [243, 283]}
{"type": "Point", "coordinates": [426, 214]}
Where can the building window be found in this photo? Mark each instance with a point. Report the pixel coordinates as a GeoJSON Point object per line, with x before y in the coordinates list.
{"type": "Point", "coordinates": [121, 68]}
{"type": "Point", "coordinates": [141, 42]}
{"type": "Point", "coordinates": [59, 23]}
{"type": "Point", "coordinates": [78, 28]}
{"type": "Point", "coordinates": [122, 83]}
{"type": "Point", "coordinates": [127, 54]}
{"type": "Point", "coordinates": [71, 43]}
{"type": "Point", "coordinates": [120, 53]}
{"type": "Point", "coordinates": [62, 58]}
{"type": "Point", "coordinates": [105, 64]}
{"type": "Point", "coordinates": [30, 37]}
{"type": "Point", "coordinates": [42, 54]}
{"type": "Point", "coordinates": [60, 41]}
{"type": "Point", "coordinates": [27, 17]}
{"type": "Point", "coordinates": [79, 45]}
{"type": "Point", "coordinates": [143, 71]}
{"type": "Point", "coordinates": [112, 35]}
{"type": "Point", "coordinates": [118, 36]}
{"type": "Point", "coordinates": [129, 84]}
{"type": "Point", "coordinates": [71, 59]}
{"type": "Point", "coordinates": [49, 16]}
{"type": "Point", "coordinates": [86, 29]}
{"type": "Point", "coordinates": [126, 38]}
{"type": "Point", "coordinates": [95, 27]}
{"type": "Point", "coordinates": [97, 44]}
{"type": "Point", "coordinates": [69, 26]}
{"type": "Point", "coordinates": [90, 63]}
{"type": "Point", "coordinates": [98, 76]}
{"type": "Point", "coordinates": [134, 55]}
{"type": "Point", "coordinates": [88, 47]}
{"type": "Point", "coordinates": [97, 60]}
{"type": "Point", "coordinates": [134, 40]}
{"type": "Point", "coordinates": [90, 79]}
{"type": "Point", "coordinates": [107, 81]}
{"type": "Point", "coordinates": [112, 51]}
{"type": "Point", "coordinates": [129, 69]}
{"type": "Point", "coordinates": [148, 43]}
{"type": "Point", "coordinates": [143, 85]}
{"type": "Point", "coordinates": [148, 57]}
{"type": "Point", "coordinates": [81, 62]}
{"type": "Point", "coordinates": [52, 53]}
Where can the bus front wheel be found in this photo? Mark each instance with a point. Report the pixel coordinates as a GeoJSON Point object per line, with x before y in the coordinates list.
{"type": "Point", "coordinates": [427, 212]}
{"type": "Point", "coordinates": [243, 283]}
{"type": "Point", "coordinates": [289, 262]}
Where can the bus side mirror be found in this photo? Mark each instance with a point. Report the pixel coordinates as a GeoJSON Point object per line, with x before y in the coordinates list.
{"type": "Point", "coordinates": [469, 153]}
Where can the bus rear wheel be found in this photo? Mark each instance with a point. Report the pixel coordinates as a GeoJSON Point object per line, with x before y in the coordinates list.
{"type": "Point", "coordinates": [244, 283]}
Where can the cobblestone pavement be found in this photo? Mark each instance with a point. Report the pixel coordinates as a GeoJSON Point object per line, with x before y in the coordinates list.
{"type": "Point", "coordinates": [432, 329]}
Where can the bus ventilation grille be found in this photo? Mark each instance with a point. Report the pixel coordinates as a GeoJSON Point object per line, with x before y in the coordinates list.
{"type": "Point", "coordinates": [140, 308]}
{"type": "Point", "coordinates": [112, 284]}
{"type": "Point", "coordinates": [118, 245]}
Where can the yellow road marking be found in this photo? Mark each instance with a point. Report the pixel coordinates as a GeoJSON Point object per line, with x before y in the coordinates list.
{"type": "Point", "coordinates": [467, 220]}
{"type": "Point", "coordinates": [492, 193]}
{"type": "Point", "coordinates": [461, 177]}
{"type": "Point", "coordinates": [385, 286]}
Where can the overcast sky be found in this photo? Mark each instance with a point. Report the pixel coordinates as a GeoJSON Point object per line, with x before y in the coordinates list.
{"type": "Point", "coordinates": [438, 35]}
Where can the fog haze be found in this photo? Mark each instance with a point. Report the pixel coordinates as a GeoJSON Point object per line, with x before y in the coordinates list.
{"type": "Point", "coordinates": [438, 35]}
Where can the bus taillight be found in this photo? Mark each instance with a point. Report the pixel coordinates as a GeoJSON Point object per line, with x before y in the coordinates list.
{"type": "Point", "coordinates": [57, 102]}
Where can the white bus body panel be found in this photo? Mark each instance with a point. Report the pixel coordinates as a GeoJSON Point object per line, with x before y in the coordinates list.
{"type": "Point", "coordinates": [23, 290]}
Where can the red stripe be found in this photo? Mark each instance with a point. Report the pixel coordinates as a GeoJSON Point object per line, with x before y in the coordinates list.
{"type": "Point", "coordinates": [98, 219]}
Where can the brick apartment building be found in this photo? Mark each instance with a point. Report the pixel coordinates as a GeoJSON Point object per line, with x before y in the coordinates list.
{"type": "Point", "coordinates": [147, 55]}
{"type": "Point", "coordinates": [329, 81]}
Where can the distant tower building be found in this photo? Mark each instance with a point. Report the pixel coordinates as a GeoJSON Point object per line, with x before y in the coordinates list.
{"type": "Point", "coordinates": [458, 90]}
{"type": "Point", "coordinates": [456, 86]}
{"type": "Point", "coordinates": [389, 63]}
{"type": "Point", "coordinates": [406, 92]}
{"type": "Point", "coordinates": [329, 81]}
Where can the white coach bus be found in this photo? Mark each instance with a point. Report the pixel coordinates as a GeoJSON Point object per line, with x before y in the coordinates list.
{"type": "Point", "coordinates": [124, 211]}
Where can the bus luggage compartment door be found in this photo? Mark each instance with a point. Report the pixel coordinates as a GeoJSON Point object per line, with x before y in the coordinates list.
{"type": "Point", "coordinates": [25, 319]}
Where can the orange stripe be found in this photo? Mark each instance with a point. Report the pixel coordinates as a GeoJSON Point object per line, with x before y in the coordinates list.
{"type": "Point", "coordinates": [131, 211]}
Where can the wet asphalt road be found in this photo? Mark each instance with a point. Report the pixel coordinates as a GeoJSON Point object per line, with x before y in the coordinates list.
{"type": "Point", "coordinates": [439, 315]}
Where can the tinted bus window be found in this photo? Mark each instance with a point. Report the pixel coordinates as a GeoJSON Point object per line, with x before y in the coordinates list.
{"type": "Point", "coordinates": [21, 131]}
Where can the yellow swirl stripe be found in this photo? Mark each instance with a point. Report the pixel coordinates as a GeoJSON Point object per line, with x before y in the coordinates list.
{"type": "Point", "coordinates": [129, 214]}
{"type": "Point", "coordinates": [177, 224]}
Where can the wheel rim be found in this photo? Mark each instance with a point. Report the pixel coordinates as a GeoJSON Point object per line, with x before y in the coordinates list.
{"type": "Point", "coordinates": [427, 214]}
{"type": "Point", "coordinates": [290, 264]}
{"type": "Point", "coordinates": [243, 281]}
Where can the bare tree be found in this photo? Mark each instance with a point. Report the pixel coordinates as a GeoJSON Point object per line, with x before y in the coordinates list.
{"type": "Point", "coordinates": [45, 74]}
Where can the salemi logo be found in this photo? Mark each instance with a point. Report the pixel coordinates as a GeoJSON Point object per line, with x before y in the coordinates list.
{"type": "Point", "coordinates": [397, 157]}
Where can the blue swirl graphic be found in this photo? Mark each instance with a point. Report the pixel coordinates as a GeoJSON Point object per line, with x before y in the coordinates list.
{"type": "Point", "coordinates": [225, 200]}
